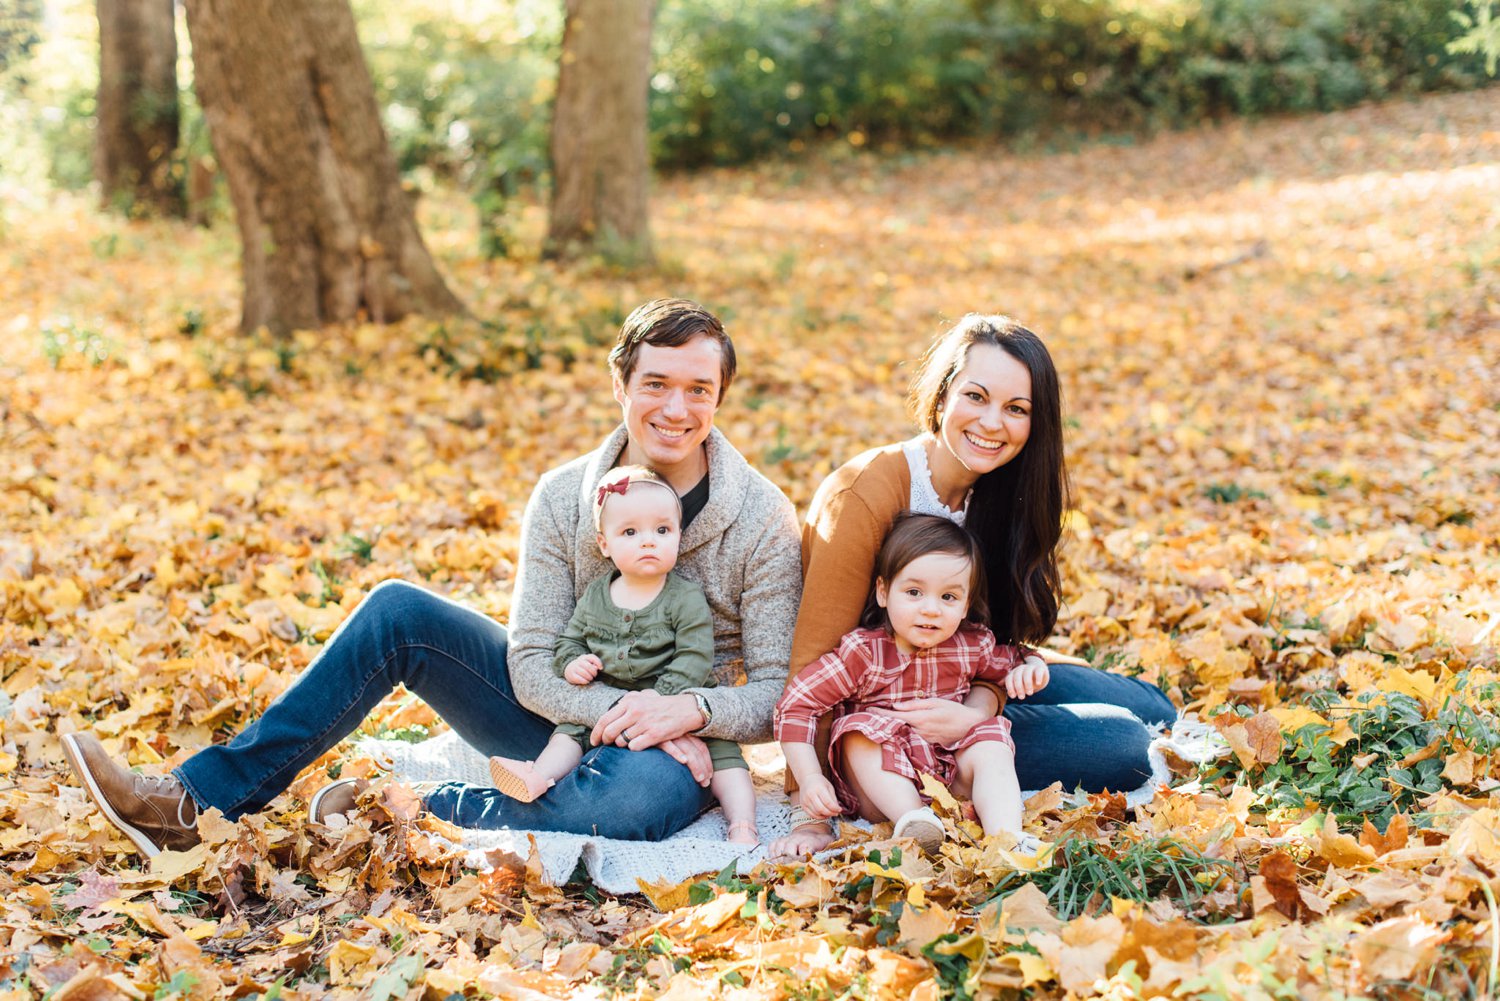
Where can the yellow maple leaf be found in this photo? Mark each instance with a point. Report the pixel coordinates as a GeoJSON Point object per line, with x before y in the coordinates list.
{"type": "Point", "coordinates": [1034, 969]}
{"type": "Point", "coordinates": [1418, 684]}
{"type": "Point", "coordinates": [1477, 835]}
{"type": "Point", "coordinates": [667, 895]}
{"type": "Point", "coordinates": [346, 959]}
{"type": "Point", "coordinates": [168, 867]}
{"type": "Point", "coordinates": [921, 925]}
{"type": "Point", "coordinates": [1339, 848]}
{"type": "Point", "coordinates": [1294, 718]}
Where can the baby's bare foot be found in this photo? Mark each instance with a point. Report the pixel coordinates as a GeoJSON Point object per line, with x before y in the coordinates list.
{"type": "Point", "coordinates": [743, 832]}
{"type": "Point", "coordinates": [518, 779]}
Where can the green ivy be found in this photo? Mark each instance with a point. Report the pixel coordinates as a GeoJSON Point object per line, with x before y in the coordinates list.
{"type": "Point", "coordinates": [1317, 773]}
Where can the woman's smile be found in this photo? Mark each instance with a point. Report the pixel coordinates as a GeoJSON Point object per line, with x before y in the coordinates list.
{"type": "Point", "coordinates": [986, 444]}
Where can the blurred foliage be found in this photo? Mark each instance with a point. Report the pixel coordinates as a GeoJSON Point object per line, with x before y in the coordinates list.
{"type": "Point", "coordinates": [1481, 33]}
{"type": "Point", "coordinates": [466, 87]}
{"type": "Point", "coordinates": [466, 91]}
{"type": "Point", "coordinates": [40, 77]}
{"type": "Point", "coordinates": [738, 80]}
{"type": "Point", "coordinates": [20, 21]}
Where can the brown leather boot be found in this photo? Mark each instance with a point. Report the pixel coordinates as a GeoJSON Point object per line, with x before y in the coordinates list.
{"type": "Point", "coordinates": [337, 797]}
{"type": "Point", "coordinates": [155, 813]}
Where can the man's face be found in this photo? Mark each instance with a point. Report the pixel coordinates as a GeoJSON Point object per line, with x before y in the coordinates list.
{"type": "Point", "coordinates": [668, 402]}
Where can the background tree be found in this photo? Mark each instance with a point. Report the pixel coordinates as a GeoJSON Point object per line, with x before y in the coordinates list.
{"type": "Point", "coordinates": [137, 133]}
{"type": "Point", "coordinates": [601, 165]}
{"type": "Point", "coordinates": [326, 230]}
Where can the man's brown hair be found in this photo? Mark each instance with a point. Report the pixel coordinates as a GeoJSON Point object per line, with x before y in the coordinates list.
{"type": "Point", "coordinates": [670, 323]}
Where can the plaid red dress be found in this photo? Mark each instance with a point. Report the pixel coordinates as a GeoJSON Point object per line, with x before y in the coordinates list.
{"type": "Point", "coordinates": [868, 671]}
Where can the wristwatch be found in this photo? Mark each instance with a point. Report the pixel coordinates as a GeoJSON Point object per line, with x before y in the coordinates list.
{"type": "Point", "coordinates": [703, 707]}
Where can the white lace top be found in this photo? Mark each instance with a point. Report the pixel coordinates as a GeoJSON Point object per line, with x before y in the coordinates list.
{"type": "Point", "coordinates": [924, 498]}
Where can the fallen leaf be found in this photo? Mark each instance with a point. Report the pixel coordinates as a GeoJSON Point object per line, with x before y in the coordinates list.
{"type": "Point", "coordinates": [1276, 885]}
{"type": "Point", "coordinates": [1397, 949]}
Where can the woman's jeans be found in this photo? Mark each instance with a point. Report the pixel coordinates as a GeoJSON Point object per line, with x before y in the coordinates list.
{"type": "Point", "coordinates": [1087, 729]}
{"type": "Point", "coordinates": [1084, 729]}
{"type": "Point", "coordinates": [453, 658]}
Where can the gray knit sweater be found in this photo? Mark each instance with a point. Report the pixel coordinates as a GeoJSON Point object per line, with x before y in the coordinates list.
{"type": "Point", "coordinates": [743, 549]}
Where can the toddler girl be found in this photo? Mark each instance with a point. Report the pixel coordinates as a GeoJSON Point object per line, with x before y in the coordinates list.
{"type": "Point", "coordinates": [922, 636]}
{"type": "Point", "coordinates": [639, 627]}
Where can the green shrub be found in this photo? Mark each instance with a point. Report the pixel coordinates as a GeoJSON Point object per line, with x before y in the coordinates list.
{"type": "Point", "coordinates": [735, 81]}
{"type": "Point", "coordinates": [467, 93]}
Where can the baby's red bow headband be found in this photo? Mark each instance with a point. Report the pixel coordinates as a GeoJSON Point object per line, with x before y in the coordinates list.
{"type": "Point", "coordinates": [617, 487]}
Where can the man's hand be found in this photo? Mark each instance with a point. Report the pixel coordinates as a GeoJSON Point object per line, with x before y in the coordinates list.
{"type": "Point", "coordinates": [1027, 679]}
{"type": "Point", "coordinates": [692, 752]}
{"type": "Point", "coordinates": [818, 797]}
{"type": "Point", "coordinates": [582, 669]}
{"type": "Point", "coordinates": [646, 719]}
{"type": "Point", "coordinates": [937, 721]}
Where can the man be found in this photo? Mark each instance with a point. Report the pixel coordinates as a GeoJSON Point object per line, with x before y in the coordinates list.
{"type": "Point", "coordinates": [647, 776]}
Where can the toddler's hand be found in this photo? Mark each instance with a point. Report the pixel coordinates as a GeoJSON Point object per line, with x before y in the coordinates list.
{"type": "Point", "coordinates": [1027, 679]}
{"type": "Point", "coordinates": [582, 669]}
{"type": "Point", "coordinates": [818, 798]}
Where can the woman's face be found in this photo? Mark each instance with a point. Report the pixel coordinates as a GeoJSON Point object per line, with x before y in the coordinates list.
{"type": "Point", "coordinates": [986, 417]}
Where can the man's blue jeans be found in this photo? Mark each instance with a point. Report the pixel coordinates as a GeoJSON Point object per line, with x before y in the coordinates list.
{"type": "Point", "coordinates": [453, 658]}
{"type": "Point", "coordinates": [1084, 729]}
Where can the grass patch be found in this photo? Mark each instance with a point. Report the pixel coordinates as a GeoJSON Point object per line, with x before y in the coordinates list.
{"type": "Point", "coordinates": [1085, 874]}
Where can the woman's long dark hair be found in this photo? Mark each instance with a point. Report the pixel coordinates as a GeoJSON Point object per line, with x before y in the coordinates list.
{"type": "Point", "coordinates": [1016, 511]}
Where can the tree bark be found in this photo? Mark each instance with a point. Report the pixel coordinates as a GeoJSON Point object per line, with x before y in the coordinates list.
{"type": "Point", "coordinates": [601, 166]}
{"type": "Point", "coordinates": [137, 106]}
{"type": "Point", "coordinates": [327, 234]}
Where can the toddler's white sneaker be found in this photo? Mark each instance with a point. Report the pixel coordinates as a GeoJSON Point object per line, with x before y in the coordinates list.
{"type": "Point", "coordinates": [923, 826]}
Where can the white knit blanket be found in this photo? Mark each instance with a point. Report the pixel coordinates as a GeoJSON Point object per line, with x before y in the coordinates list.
{"type": "Point", "coordinates": [616, 866]}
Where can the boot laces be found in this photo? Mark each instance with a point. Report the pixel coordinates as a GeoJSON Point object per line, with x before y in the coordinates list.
{"type": "Point", "coordinates": [168, 785]}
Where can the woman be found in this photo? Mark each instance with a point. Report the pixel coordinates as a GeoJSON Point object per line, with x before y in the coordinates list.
{"type": "Point", "coordinates": [991, 458]}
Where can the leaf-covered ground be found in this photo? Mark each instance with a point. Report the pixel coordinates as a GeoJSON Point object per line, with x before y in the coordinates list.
{"type": "Point", "coordinates": [1281, 355]}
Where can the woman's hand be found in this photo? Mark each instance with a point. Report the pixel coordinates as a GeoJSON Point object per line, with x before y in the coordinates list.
{"type": "Point", "coordinates": [937, 721]}
{"type": "Point", "coordinates": [646, 719]}
{"type": "Point", "coordinates": [1027, 679]}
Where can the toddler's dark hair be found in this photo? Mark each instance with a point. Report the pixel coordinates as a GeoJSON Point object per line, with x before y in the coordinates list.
{"type": "Point", "coordinates": [913, 536]}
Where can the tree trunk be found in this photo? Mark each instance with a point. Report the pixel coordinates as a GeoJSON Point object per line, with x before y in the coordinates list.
{"type": "Point", "coordinates": [601, 166]}
{"type": "Point", "coordinates": [137, 132]}
{"type": "Point", "coordinates": [326, 232]}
